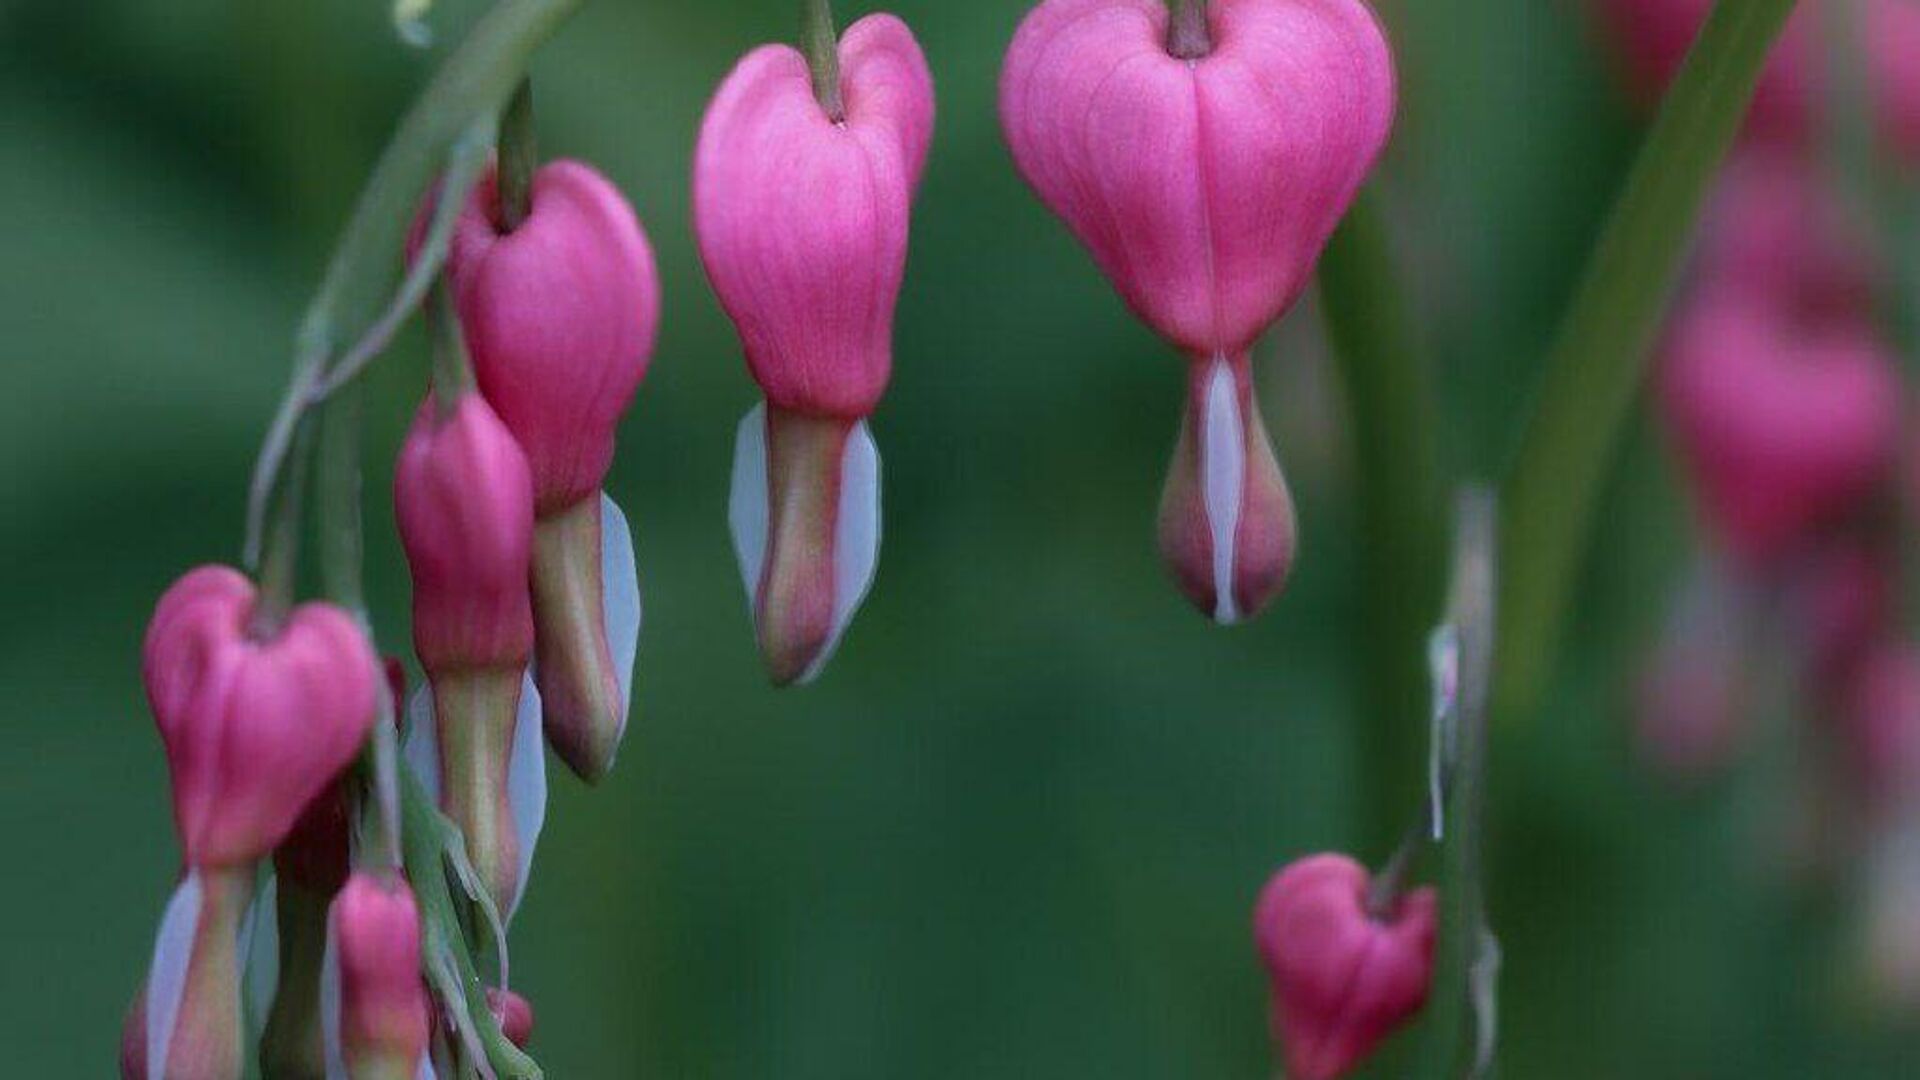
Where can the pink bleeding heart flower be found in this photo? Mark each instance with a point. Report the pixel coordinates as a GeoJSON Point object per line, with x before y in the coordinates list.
{"type": "Point", "coordinates": [463, 498]}
{"type": "Point", "coordinates": [1654, 36]}
{"type": "Point", "coordinates": [801, 218]}
{"type": "Point", "coordinates": [1784, 424]}
{"type": "Point", "coordinates": [561, 315]}
{"type": "Point", "coordinates": [1344, 978]}
{"type": "Point", "coordinates": [256, 722]}
{"type": "Point", "coordinates": [1205, 186]}
{"type": "Point", "coordinates": [383, 1015]}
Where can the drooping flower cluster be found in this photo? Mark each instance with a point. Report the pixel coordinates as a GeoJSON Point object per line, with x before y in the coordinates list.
{"type": "Point", "coordinates": [1204, 166]}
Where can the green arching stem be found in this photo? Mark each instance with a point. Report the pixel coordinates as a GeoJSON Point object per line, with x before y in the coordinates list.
{"type": "Point", "coordinates": [1188, 35]}
{"type": "Point", "coordinates": [821, 42]}
{"type": "Point", "coordinates": [472, 86]}
{"type": "Point", "coordinates": [1393, 416]}
{"type": "Point", "coordinates": [1594, 369]}
{"type": "Point", "coordinates": [341, 545]}
{"type": "Point", "coordinates": [279, 569]}
{"type": "Point", "coordinates": [519, 158]}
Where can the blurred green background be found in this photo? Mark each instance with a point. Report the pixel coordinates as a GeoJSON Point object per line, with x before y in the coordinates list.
{"type": "Point", "coordinates": [1017, 829]}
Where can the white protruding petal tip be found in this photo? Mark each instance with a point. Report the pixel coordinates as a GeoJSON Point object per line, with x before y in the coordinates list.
{"type": "Point", "coordinates": [422, 747]}
{"type": "Point", "coordinates": [747, 511]}
{"type": "Point", "coordinates": [856, 540]}
{"type": "Point", "coordinates": [330, 1049]}
{"type": "Point", "coordinates": [620, 598]}
{"type": "Point", "coordinates": [1223, 470]}
{"type": "Point", "coordinates": [262, 949]}
{"type": "Point", "coordinates": [527, 785]}
{"type": "Point", "coordinates": [167, 981]}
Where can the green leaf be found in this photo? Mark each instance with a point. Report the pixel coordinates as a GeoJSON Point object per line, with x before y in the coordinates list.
{"type": "Point", "coordinates": [1594, 370]}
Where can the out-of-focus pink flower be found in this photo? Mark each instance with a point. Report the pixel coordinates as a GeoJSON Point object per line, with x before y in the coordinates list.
{"type": "Point", "coordinates": [1881, 726]}
{"type": "Point", "coordinates": [1655, 35]}
{"type": "Point", "coordinates": [1343, 978]}
{"type": "Point", "coordinates": [1205, 189]}
{"type": "Point", "coordinates": [1688, 704]}
{"type": "Point", "coordinates": [384, 1010]}
{"type": "Point", "coordinates": [1843, 600]}
{"type": "Point", "coordinates": [1785, 425]}
{"type": "Point", "coordinates": [802, 222]}
{"type": "Point", "coordinates": [1775, 231]}
{"type": "Point", "coordinates": [255, 726]}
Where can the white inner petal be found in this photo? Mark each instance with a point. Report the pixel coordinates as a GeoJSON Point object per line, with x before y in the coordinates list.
{"type": "Point", "coordinates": [336, 1059]}
{"type": "Point", "coordinates": [747, 510]}
{"type": "Point", "coordinates": [167, 981]}
{"type": "Point", "coordinates": [526, 785]}
{"type": "Point", "coordinates": [620, 598]}
{"type": "Point", "coordinates": [422, 747]}
{"type": "Point", "coordinates": [262, 950]}
{"type": "Point", "coordinates": [856, 538]}
{"type": "Point", "coordinates": [1223, 469]}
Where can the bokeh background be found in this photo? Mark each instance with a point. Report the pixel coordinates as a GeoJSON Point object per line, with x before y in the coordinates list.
{"type": "Point", "coordinates": [1017, 829]}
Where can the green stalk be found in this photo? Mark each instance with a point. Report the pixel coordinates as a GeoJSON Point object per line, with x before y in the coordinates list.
{"type": "Point", "coordinates": [519, 158]}
{"type": "Point", "coordinates": [1393, 418]}
{"type": "Point", "coordinates": [821, 42]}
{"type": "Point", "coordinates": [470, 88]}
{"type": "Point", "coordinates": [1596, 363]}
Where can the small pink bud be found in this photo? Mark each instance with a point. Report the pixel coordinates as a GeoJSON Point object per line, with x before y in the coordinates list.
{"type": "Point", "coordinates": [560, 315]}
{"type": "Point", "coordinates": [384, 1011]}
{"type": "Point", "coordinates": [1774, 230]}
{"type": "Point", "coordinates": [513, 1013]}
{"type": "Point", "coordinates": [802, 221]}
{"type": "Point", "coordinates": [1343, 978]}
{"type": "Point", "coordinates": [254, 727]}
{"type": "Point", "coordinates": [1784, 425]}
{"type": "Point", "coordinates": [1205, 189]}
{"type": "Point", "coordinates": [464, 503]}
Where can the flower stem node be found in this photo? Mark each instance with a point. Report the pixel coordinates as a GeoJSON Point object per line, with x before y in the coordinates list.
{"type": "Point", "coordinates": [1344, 978]}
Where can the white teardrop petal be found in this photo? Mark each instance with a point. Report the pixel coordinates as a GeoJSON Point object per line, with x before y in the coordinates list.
{"type": "Point", "coordinates": [422, 748]}
{"type": "Point", "coordinates": [426, 1069]}
{"type": "Point", "coordinates": [856, 538]}
{"type": "Point", "coordinates": [167, 980]}
{"type": "Point", "coordinates": [747, 510]}
{"type": "Point", "coordinates": [330, 1049]}
{"type": "Point", "coordinates": [620, 598]}
{"type": "Point", "coordinates": [261, 948]}
{"type": "Point", "coordinates": [527, 784]}
{"type": "Point", "coordinates": [1223, 470]}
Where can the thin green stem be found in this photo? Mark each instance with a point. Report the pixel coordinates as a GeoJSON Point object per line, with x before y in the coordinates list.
{"type": "Point", "coordinates": [279, 569]}
{"type": "Point", "coordinates": [1188, 35]}
{"type": "Point", "coordinates": [1464, 938]}
{"type": "Point", "coordinates": [452, 373]}
{"type": "Point", "coordinates": [821, 42]}
{"type": "Point", "coordinates": [1394, 420]}
{"type": "Point", "coordinates": [472, 86]}
{"type": "Point", "coordinates": [1594, 370]}
{"type": "Point", "coordinates": [337, 493]}
{"type": "Point", "coordinates": [519, 157]}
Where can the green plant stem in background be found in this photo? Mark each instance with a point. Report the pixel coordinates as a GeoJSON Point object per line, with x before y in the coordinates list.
{"type": "Point", "coordinates": [470, 88]}
{"type": "Point", "coordinates": [1596, 363]}
{"type": "Point", "coordinates": [452, 374]}
{"type": "Point", "coordinates": [821, 42]}
{"type": "Point", "coordinates": [519, 158]}
{"type": "Point", "coordinates": [1393, 420]}
{"type": "Point", "coordinates": [1461, 983]}
{"type": "Point", "coordinates": [337, 497]}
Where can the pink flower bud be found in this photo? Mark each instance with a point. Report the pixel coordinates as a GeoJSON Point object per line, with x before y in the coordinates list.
{"type": "Point", "coordinates": [464, 504]}
{"type": "Point", "coordinates": [465, 508]}
{"type": "Point", "coordinates": [1205, 189]}
{"type": "Point", "coordinates": [1343, 977]}
{"type": "Point", "coordinates": [513, 1013]}
{"type": "Point", "coordinates": [384, 1011]}
{"type": "Point", "coordinates": [1784, 425]}
{"type": "Point", "coordinates": [801, 219]}
{"type": "Point", "coordinates": [561, 315]}
{"type": "Point", "coordinates": [254, 727]}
